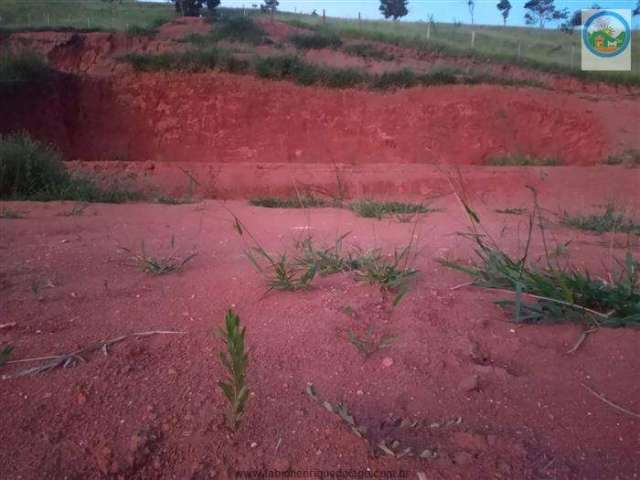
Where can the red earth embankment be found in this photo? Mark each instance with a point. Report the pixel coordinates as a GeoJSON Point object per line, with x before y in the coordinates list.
{"type": "Point", "coordinates": [229, 118]}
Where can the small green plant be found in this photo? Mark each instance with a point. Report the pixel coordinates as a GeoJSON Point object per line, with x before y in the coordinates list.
{"type": "Point", "coordinates": [611, 220]}
{"type": "Point", "coordinates": [158, 265]}
{"type": "Point", "coordinates": [281, 272]}
{"type": "Point", "coordinates": [368, 51]}
{"type": "Point", "coordinates": [303, 201]}
{"type": "Point", "coordinates": [374, 209]}
{"type": "Point", "coordinates": [326, 261]}
{"type": "Point", "coordinates": [315, 40]}
{"type": "Point", "coordinates": [391, 274]}
{"type": "Point", "coordinates": [517, 159]}
{"type": "Point", "coordinates": [512, 211]}
{"type": "Point", "coordinates": [234, 361]}
{"type": "Point", "coordinates": [5, 354]}
{"type": "Point", "coordinates": [10, 213]}
{"type": "Point", "coordinates": [369, 343]}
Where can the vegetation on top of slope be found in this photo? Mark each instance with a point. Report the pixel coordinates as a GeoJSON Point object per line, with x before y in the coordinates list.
{"type": "Point", "coordinates": [30, 170]}
{"type": "Point", "coordinates": [88, 15]}
{"type": "Point", "coordinates": [545, 50]}
{"type": "Point", "coordinates": [294, 68]}
{"type": "Point", "coordinates": [316, 40]}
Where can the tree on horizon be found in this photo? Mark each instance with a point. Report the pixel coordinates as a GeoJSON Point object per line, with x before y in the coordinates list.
{"type": "Point", "coordinates": [505, 7]}
{"type": "Point", "coordinates": [542, 11]}
{"type": "Point", "coordinates": [393, 8]}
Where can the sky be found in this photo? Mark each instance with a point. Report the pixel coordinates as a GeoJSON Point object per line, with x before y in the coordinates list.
{"type": "Point", "coordinates": [443, 10]}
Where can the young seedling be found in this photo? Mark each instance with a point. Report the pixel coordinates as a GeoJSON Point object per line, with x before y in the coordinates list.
{"type": "Point", "coordinates": [234, 361]}
{"type": "Point", "coordinates": [369, 343]}
{"type": "Point", "coordinates": [328, 260]}
{"type": "Point", "coordinates": [392, 275]}
{"type": "Point", "coordinates": [611, 220]}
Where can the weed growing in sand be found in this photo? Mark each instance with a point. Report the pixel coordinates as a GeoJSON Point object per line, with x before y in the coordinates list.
{"type": "Point", "coordinates": [158, 265]}
{"type": "Point", "coordinates": [282, 273]}
{"type": "Point", "coordinates": [234, 361]}
{"type": "Point", "coordinates": [374, 209]}
{"type": "Point", "coordinates": [517, 159]}
{"type": "Point", "coordinates": [10, 213]}
{"type": "Point", "coordinates": [629, 158]}
{"type": "Point", "coordinates": [369, 343]}
{"type": "Point", "coordinates": [315, 40]}
{"type": "Point", "coordinates": [512, 211]}
{"type": "Point", "coordinates": [303, 201]}
{"type": "Point", "coordinates": [30, 170]}
{"type": "Point", "coordinates": [368, 51]}
{"type": "Point", "coordinates": [391, 274]}
{"type": "Point", "coordinates": [327, 261]}
{"type": "Point", "coordinates": [610, 220]}
{"type": "Point", "coordinates": [558, 293]}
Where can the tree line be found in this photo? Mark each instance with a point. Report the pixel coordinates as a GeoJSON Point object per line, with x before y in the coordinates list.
{"type": "Point", "coordinates": [538, 12]}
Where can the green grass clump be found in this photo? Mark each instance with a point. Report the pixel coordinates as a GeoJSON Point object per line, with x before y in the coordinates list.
{"type": "Point", "coordinates": [192, 61]}
{"type": "Point", "coordinates": [316, 40]}
{"type": "Point", "coordinates": [30, 170]}
{"type": "Point", "coordinates": [292, 67]}
{"type": "Point", "coordinates": [239, 29]}
{"type": "Point", "coordinates": [368, 51]}
{"type": "Point", "coordinates": [517, 159]}
{"type": "Point", "coordinates": [512, 211]}
{"type": "Point", "coordinates": [303, 201]}
{"type": "Point", "coordinates": [327, 261]}
{"type": "Point", "coordinates": [374, 209]}
{"type": "Point", "coordinates": [21, 67]}
{"type": "Point", "coordinates": [611, 220]}
{"type": "Point", "coordinates": [390, 273]}
{"type": "Point", "coordinates": [629, 158]}
{"type": "Point", "coordinates": [234, 361]}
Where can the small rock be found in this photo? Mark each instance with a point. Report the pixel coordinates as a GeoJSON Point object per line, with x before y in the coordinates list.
{"type": "Point", "coordinates": [359, 393]}
{"type": "Point", "coordinates": [254, 444]}
{"type": "Point", "coordinates": [462, 458]}
{"type": "Point", "coordinates": [387, 362]}
{"type": "Point", "coordinates": [469, 383]}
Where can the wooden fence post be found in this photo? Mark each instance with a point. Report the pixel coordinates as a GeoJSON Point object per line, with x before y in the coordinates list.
{"type": "Point", "coordinates": [473, 39]}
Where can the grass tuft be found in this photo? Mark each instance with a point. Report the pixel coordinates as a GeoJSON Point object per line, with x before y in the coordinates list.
{"type": "Point", "coordinates": [374, 209]}
{"type": "Point", "coordinates": [521, 160]}
{"type": "Point", "coordinates": [610, 220]}
{"type": "Point", "coordinates": [11, 214]}
{"type": "Point", "coordinates": [369, 343]}
{"type": "Point", "coordinates": [629, 158]}
{"type": "Point", "coordinates": [192, 61]}
{"type": "Point", "coordinates": [512, 211]}
{"type": "Point", "coordinates": [239, 29]}
{"type": "Point", "coordinates": [304, 201]}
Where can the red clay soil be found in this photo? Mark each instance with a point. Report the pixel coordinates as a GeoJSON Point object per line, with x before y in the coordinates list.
{"type": "Point", "coordinates": [494, 399]}
{"type": "Point", "coordinates": [228, 118]}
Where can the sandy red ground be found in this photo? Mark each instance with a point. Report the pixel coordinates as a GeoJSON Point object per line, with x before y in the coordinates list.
{"type": "Point", "coordinates": [151, 408]}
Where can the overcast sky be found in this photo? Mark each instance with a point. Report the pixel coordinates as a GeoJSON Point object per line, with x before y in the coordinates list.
{"type": "Point", "coordinates": [443, 10]}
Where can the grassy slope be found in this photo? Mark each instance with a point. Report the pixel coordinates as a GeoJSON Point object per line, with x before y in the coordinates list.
{"type": "Point", "coordinates": [548, 49]}
{"type": "Point", "coordinates": [22, 14]}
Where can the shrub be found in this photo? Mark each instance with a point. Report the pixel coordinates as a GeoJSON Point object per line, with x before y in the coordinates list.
{"type": "Point", "coordinates": [31, 170]}
{"type": "Point", "coordinates": [190, 61]}
{"type": "Point", "coordinates": [239, 29]}
{"type": "Point", "coordinates": [315, 40]}
{"type": "Point", "coordinates": [22, 67]}
{"type": "Point", "coordinates": [630, 158]}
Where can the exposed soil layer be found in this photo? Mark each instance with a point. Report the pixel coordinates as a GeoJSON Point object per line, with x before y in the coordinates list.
{"type": "Point", "coordinates": [151, 408]}
{"type": "Point", "coordinates": [228, 118]}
